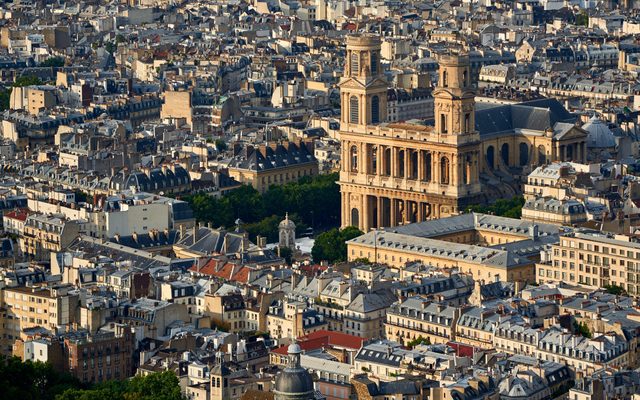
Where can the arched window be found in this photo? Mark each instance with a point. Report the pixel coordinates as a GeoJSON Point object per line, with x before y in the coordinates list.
{"type": "Point", "coordinates": [504, 152]}
{"type": "Point", "coordinates": [353, 157]}
{"type": "Point", "coordinates": [467, 122]}
{"type": "Point", "coordinates": [444, 171]}
{"type": "Point", "coordinates": [443, 123]}
{"type": "Point", "coordinates": [445, 82]}
{"type": "Point", "coordinates": [375, 110]}
{"type": "Point", "coordinates": [354, 111]}
{"type": "Point", "coordinates": [465, 78]}
{"type": "Point", "coordinates": [355, 63]}
{"type": "Point", "coordinates": [355, 217]}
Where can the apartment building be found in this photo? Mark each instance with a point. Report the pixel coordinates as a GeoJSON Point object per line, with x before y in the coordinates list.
{"type": "Point", "coordinates": [592, 259]}
{"type": "Point", "coordinates": [417, 317]}
{"type": "Point", "coordinates": [27, 307]}
{"type": "Point", "coordinates": [105, 355]}
{"type": "Point", "coordinates": [44, 234]}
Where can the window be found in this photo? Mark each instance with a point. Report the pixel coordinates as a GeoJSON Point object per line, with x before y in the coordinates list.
{"type": "Point", "coordinates": [355, 63]}
{"type": "Point", "coordinates": [354, 158]}
{"type": "Point", "coordinates": [354, 113]}
{"type": "Point", "coordinates": [375, 110]}
{"type": "Point", "coordinates": [467, 122]}
{"type": "Point", "coordinates": [374, 63]}
{"type": "Point", "coordinates": [444, 170]}
{"type": "Point", "coordinates": [443, 123]}
{"type": "Point", "coordinates": [445, 82]}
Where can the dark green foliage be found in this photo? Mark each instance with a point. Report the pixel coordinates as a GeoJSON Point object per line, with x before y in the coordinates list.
{"type": "Point", "coordinates": [330, 246]}
{"type": "Point", "coordinates": [27, 80]}
{"type": "Point", "coordinates": [504, 208]}
{"type": "Point", "coordinates": [53, 62]}
{"type": "Point", "coordinates": [4, 99]}
{"type": "Point", "coordinates": [312, 201]}
{"type": "Point", "coordinates": [32, 380]}
{"type": "Point", "coordinates": [21, 81]}
{"type": "Point", "coordinates": [110, 47]}
{"type": "Point", "coordinates": [418, 341]}
{"type": "Point", "coordinates": [583, 330]}
{"type": "Point", "coordinates": [614, 289]}
{"type": "Point", "coordinates": [287, 254]}
{"type": "Point", "coordinates": [40, 381]}
{"type": "Point", "coordinates": [582, 19]}
{"type": "Point", "coordinates": [221, 145]}
{"type": "Point", "coordinates": [81, 197]}
{"type": "Point", "coordinates": [159, 386]}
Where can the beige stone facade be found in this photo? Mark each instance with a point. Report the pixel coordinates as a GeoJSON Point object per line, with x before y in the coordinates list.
{"type": "Point", "coordinates": [394, 174]}
{"type": "Point", "coordinates": [593, 260]}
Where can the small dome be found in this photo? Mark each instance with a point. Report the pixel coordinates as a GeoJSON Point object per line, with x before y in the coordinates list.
{"type": "Point", "coordinates": [599, 134]}
{"type": "Point", "coordinates": [287, 223]}
{"type": "Point", "coordinates": [294, 380]}
{"type": "Point", "coordinates": [294, 348]}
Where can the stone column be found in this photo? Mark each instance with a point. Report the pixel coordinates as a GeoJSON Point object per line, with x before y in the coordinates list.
{"type": "Point", "coordinates": [435, 167]}
{"type": "Point", "coordinates": [394, 161]}
{"type": "Point", "coordinates": [364, 222]}
{"type": "Point", "coordinates": [392, 212]}
{"type": "Point", "coordinates": [407, 163]}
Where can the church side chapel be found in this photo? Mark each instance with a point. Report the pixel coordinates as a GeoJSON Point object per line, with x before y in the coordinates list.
{"type": "Point", "coordinates": [398, 173]}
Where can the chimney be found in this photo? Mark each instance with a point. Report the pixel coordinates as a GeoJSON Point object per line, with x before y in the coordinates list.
{"type": "Point", "coordinates": [195, 233]}
{"type": "Point", "coordinates": [533, 231]}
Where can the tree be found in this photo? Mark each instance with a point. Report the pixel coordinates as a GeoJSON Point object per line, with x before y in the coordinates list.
{"type": "Point", "coordinates": [53, 62]}
{"type": "Point", "coordinates": [582, 19]}
{"type": "Point", "coordinates": [312, 201]}
{"type": "Point", "coordinates": [27, 80]}
{"type": "Point", "coordinates": [511, 208]}
{"type": "Point", "coordinates": [418, 341]}
{"type": "Point", "coordinates": [32, 380]}
{"type": "Point", "coordinates": [614, 289]}
{"type": "Point", "coordinates": [583, 330]}
{"type": "Point", "coordinates": [221, 145]}
{"type": "Point", "coordinates": [5, 94]}
{"type": "Point", "coordinates": [158, 386]}
{"type": "Point", "coordinates": [331, 245]}
{"type": "Point", "coordinates": [287, 254]}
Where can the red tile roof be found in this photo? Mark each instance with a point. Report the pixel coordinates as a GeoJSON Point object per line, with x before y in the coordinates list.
{"type": "Point", "coordinates": [18, 214]}
{"type": "Point", "coordinates": [324, 338]}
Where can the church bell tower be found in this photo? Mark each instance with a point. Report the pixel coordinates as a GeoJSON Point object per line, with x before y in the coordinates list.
{"type": "Point", "coordinates": [363, 88]}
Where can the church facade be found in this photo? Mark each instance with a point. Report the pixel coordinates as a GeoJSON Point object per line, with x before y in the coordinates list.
{"type": "Point", "coordinates": [398, 173]}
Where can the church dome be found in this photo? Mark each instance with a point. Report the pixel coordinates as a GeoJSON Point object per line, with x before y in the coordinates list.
{"type": "Point", "coordinates": [599, 134]}
{"type": "Point", "coordinates": [294, 381]}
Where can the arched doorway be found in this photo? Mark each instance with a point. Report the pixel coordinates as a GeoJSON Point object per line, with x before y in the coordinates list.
{"type": "Point", "coordinates": [355, 217]}
{"type": "Point", "coordinates": [490, 157]}
{"type": "Point", "coordinates": [504, 153]}
{"type": "Point", "coordinates": [524, 154]}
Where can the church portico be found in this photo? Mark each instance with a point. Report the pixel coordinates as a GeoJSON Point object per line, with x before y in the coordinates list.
{"type": "Point", "coordinates": [372, 207]}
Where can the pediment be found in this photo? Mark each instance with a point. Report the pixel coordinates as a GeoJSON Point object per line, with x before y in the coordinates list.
{"type": "Point", "coordinates": [573, 133]}
{"type": "Point", "coordinates": [354, 83]}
